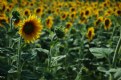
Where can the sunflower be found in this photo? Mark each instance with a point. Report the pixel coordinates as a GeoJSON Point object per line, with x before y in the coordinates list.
{"type": "Point", "coordinates": [8, 10]}
{"type": "Point", "coordinates": [56, 11]}
{"type": "Point", "coordinates": [83, 20]}
{"type": "Point", "coordinates": [72, 9]}
{"type": "Point", "coordinates": [118, 12]}
{"type": "Point", "coordinates": [72, 16]}
{"type": "Point", "coordinates": [68, 25]}
{"type": "Point", "coordinates": [3, 6]}
{"type": "Point", "coordinates": [87, 12]}
{"type": "Point", "coordinates": [30, 29]}
{"type": "Point", "coordinates": [31, 3]}
{"type": "Point", "coordinates": [107, 23]}
{"type": "Point", "coordinates": [39, 11]}
{"type": "Point", "coordinates": [90, 33]}
{"type": "Point", "coordinates": [17, 22]}
{"type": "Point", "coordinates": [26, 12]}
{"type": "Point", "coordinates": [3, 19]}
{"type": "Point", "coordinates": [81, 13]}
{"type": "Point", "coordinates": [96, 13]}
{"type": "Point", "coordinates": [64, 15]}
{"type": "Point", "coordinates": [11, 5]}
{"type": "Point", "coordinates": [49, 22]}
{"type": "Point", "coordinates": [98, 21]}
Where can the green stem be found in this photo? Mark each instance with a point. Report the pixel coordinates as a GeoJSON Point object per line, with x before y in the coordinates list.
{"type": "Point", "coordinates": [116, 52]}
{"type": "Point", "coordinates": [10, 41]}
{"type": "Point", "coordinates": [49, 59]}
{"type": "Point", "coordinates": [19, 60]}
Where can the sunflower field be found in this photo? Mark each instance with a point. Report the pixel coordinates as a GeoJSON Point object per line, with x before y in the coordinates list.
{"type": "Point", "coordinates": [60, 39]}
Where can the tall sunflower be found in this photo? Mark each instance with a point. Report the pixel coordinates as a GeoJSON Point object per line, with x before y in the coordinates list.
{"type": "Point", "coordinates": [30, 29]}
{"type": "Point", "coordinates": [90, 33]}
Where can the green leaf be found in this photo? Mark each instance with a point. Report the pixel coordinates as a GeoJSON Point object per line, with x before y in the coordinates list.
{"type": "Point", "coordinates": [57, 58]}
{"type": "Point", "coordinates": [118, 73]}
{"type": "Point", "coordinates": [101, 52]}
{"type": "Point", "coordinates": [12, 71]}
{"type": "Point", "coordinates": [42, 50]}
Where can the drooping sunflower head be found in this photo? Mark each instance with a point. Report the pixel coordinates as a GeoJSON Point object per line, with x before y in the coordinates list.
{"type": "Point", "coordinates": [90, 33]}
{"type": "Point", "coordinates": [107, 23]}
{"type": "Point", "coordinates": [30, 29]}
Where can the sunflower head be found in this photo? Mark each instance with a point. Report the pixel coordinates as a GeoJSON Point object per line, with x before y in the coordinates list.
{"type": "Point", "coordinates": [27, 12]}
{"type": "Point", "coordinates": [98, 21]}
{"type": "Point", "coordinates": [90, 33]}
{"type": "Point", "coordinates": [30, 29]}
{"type": "Point", "coordinates": [3, 19]}
{"type": "Point", "coordinates": [17, 22]}
{"type": "Point", "coordinates": [87, 12]}
{"type": "Point", "coordinates": [39, 11]}
{"type": "Point", "coordinates": [83, 20]}
{"type": "Point", "coordinates": [68, 25]}
{"type": "Point", "coordinates": [72, 9]}
{"type": "Point", "coordinates": [107, 23]}
{"type": "Point", "coordinates": [118, 12]}
{"type": "Point", "coordinates": [81, 13]}
{"type": "Point", "coordinates": [3, 6]}
{"type": "Point", "coordinates": [72, 15]}
{"type": "Point", "coordinates": [64, 15]}
{"type": "Point", "coordinates": [49, 22]}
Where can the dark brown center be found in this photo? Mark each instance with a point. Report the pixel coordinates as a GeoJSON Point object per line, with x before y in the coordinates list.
{"type": "Point", "coordinates": [38, 10]}
{"type": "Point", "coordinates": [68, 26]}
{"type": "Point", "coordinates": [63, 16]}
{"type": "Point", "coordinates": [28, 28]}
{"type": "Point", "coordinates": [90, 33]}
{"type": "Point", "coordinates": [48, 21]}
{"type": "Point", "coordinates": [119, 12]}
{"type": "Point", "coordinates": [26, 13]}
{"type": "Point", "coordinates": [87, 12]}
{"type": "Point", "coordinates": [107, 22]}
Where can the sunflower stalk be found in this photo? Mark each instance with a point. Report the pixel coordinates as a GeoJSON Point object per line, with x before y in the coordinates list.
{"type": "Point", "coordinates": [11, 25]}
{"type": "Point", "coordinates": [116, 52]}
{"type": "Point", "coordinates": [19, 60]}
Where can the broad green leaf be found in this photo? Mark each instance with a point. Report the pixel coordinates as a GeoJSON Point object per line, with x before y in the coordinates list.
{"type": "Point", "coordinates": [101, 52]}
{"type": "Point", "coordinates": [118, 73]}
